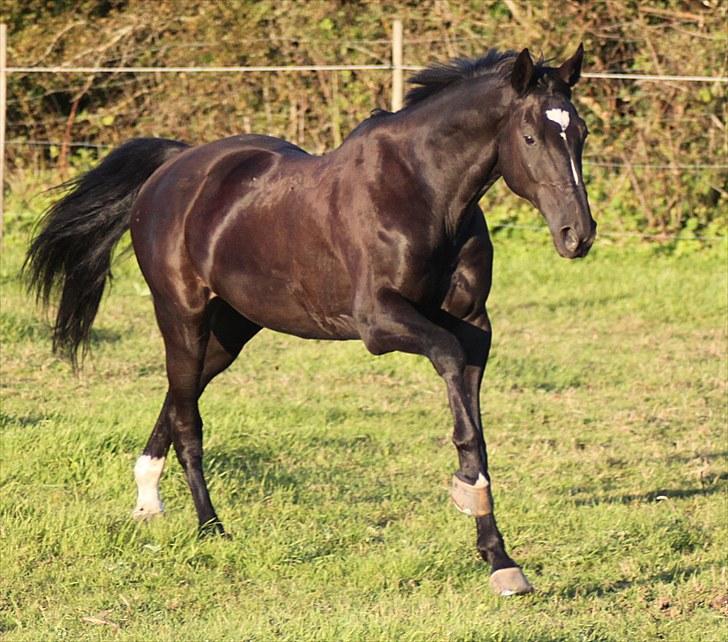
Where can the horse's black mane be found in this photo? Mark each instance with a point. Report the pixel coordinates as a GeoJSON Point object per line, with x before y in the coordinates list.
{"type": "Point", "coordinates": [439, 76]}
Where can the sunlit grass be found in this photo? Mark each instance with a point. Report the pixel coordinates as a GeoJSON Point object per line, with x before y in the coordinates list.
{"type": "Point", "coordinates": [606, 421]}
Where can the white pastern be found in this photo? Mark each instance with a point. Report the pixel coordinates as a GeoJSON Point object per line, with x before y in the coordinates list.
{"type": "Point", "coordinates": [481, 482]}
{"type": "Point", "coordinates": [561, 118]}
{"type": "Point", "coordinates": [147, 473]}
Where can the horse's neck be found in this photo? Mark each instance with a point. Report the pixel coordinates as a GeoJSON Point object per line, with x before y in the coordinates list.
{"type": "Point", "coordinates": [455, 137]}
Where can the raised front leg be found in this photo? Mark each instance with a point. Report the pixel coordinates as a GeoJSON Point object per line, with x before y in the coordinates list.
{"type": "Point", "coordinates": [463, 313]}
{"type": "Point", "coordinates": [474, 335]}
{"type": "Point", "coordinates": [390, 323]}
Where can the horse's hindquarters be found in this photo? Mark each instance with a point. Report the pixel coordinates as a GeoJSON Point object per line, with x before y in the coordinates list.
{"type": "Point", "coordinates": [248, 223]}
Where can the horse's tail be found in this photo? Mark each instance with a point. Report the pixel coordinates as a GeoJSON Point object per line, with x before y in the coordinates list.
{"type": "Point", "coordinates": [72, 252]}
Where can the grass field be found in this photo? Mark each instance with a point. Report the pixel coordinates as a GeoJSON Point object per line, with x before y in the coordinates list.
{"type": "Point", "coordinates": [605, 412]}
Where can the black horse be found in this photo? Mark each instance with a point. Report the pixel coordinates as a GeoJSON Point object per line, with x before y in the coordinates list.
{"type": "Point", "coordinates": [381, 240]}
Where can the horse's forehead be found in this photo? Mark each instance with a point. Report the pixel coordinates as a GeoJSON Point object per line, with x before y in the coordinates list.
{"type": "Point", "coordinates": [557, 110]}
{"type": "Point", "coordinates": [551, 109]}
{"type": "Point", "coordinates": [559, 116]}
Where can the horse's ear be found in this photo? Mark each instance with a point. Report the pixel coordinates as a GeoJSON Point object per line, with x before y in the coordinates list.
{"type": "Point", "coordinates": [570, 71]}
{"type": "Point", "coordinates": [522, 74]}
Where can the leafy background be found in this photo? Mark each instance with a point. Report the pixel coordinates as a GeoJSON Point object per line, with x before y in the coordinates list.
{"type": "Point", "coordinates": [604, 400]}
{"type": "Point", "coordinates": [643, 134]}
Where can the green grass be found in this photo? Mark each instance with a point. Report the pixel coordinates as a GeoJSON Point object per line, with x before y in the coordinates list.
{"type": "Point", "coordinates": [605, 412]}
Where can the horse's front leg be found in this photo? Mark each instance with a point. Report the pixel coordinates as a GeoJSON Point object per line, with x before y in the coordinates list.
{"type": "Point", "coordinates": [387, 323]}
{"type": "Point", "coordinates": [471, 488]}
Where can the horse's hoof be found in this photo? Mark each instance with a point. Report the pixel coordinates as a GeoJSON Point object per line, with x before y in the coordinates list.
{"type": "Point", "coordinates": [212, 529]}
{"type": "Point", "coordinates": [145, 513]}
{"type": "Point", "coordinates": [510, 581]}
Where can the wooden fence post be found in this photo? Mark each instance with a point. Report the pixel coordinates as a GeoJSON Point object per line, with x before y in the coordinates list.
{"type": "Point", "coordinates": [3, 102]}
{"type": "Point", "coordinates": [397, 82]}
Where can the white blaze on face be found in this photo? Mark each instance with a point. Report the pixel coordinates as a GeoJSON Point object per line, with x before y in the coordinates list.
{"type": "Point", "coordinates": [147, 472]}
{"type": "Point", "coordinates": [561, 118]}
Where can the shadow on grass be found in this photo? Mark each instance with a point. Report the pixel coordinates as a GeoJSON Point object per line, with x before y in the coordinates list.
{"type": "Point", "coordinates": [684, 459]}
{"type": "Point", "coordinates": [256, 468]}
{"type": "Point", "coordinates": [656, 495]}
{"type": "Point", "coordinates": [104, 335]}
{"type": "Point", "coordinates": [21, 421]}
{"type": "Point", "coordinates": [594, 589]}
{"type": "Point", "coordinates": [251, 465]}
{"type": "Point", "coordinates": [573, 303]}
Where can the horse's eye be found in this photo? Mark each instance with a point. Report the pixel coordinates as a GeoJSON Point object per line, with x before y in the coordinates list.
{"type": "Point", "coordinates": [529, 140]}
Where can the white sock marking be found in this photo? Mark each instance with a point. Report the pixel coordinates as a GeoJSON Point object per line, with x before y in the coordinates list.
{"type": "Point", "coordinates": [561, 118]}
{"type": "Point", "coordinates": [481, 482]}
{"type": "Point", "coordinates": [147, 472]}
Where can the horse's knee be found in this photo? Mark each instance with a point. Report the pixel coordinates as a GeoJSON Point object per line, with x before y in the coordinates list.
{"type": "Point", "coordinates": [450, 364]}
{"type": "Point", "coordinates": [480, 319]}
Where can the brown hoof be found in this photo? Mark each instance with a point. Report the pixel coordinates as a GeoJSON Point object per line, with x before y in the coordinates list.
{"type": "Point", "coordinates": [510, 581]}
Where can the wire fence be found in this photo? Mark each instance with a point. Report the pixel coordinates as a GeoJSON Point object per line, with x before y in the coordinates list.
{"type": "Point", "coordinates": [588, 160]}
{"type": "Point", "coordinates": [396, 68]}
{"type": "Point", "coordinates": [607, 75]}
{"type": "Point", "coordinates": [63, 69]}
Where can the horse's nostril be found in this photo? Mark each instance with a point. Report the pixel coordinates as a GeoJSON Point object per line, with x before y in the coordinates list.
{"type": "Point", "coordinates": [570, 238]}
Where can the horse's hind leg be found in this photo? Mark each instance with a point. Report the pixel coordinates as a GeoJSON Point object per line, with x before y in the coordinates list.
{"type": "Point", "coordinates": [229, 332]}
{"type": "Point", "coordinates": [183, 324]}
{"type": "Point", "coordinates": [148, 468]}
{"type": "Point", "coordinates": [221, 332]}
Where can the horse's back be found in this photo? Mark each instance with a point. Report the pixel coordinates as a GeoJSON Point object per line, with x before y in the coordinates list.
{"type": "Point", "coordinates": [200, 185]}
{"type": "Point", "coordinates": [205, 167]}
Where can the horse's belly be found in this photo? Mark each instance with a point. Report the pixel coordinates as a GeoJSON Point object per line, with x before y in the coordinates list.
{"type": "Point", "coordinates": [285, 306]}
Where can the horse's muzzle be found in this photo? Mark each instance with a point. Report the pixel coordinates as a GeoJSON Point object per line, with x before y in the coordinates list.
{"type": "Point", "coordinates": [572, 245]}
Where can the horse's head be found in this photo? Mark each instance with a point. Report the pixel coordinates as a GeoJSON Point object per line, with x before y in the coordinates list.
{"type": "Point", "coordinates": [539, 150]}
